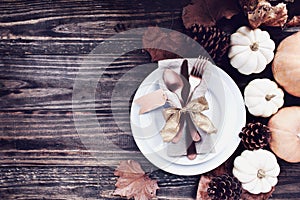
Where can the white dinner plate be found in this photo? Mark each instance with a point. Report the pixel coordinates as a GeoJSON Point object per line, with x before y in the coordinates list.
{"type": "Point", "coordinates": [227, 112]}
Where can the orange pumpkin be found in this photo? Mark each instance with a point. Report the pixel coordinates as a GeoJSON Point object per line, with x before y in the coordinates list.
{"type": "Point", "coordinates": [285, 137]}
{"type": "Point", "coordinates": [286, 64]}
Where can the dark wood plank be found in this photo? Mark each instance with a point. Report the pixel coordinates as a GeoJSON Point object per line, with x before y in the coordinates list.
{"type": "Point", "coordinates": [89, 182]}
{"type": "Point", "coordinates": [93, 182]}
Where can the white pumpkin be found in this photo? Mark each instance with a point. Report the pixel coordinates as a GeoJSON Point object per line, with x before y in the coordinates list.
{"type": "Point", "coordinates": [256, 170]}
{"type": "Point", "coordinates": [263, 97]}
{"type": "Point", "coordinates": [251, 50]}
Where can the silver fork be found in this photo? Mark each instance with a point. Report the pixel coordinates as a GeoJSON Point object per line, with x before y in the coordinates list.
{"type": "Point", "coordinates": [197, 73]}
{"type": "Point", "coordinates": [195, 80]}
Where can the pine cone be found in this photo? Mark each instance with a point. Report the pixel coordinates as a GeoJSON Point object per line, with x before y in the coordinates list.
{"type": "Point", "coordinates": [214, 41]}
{"type": "Point", "coordinates": [224, 187]}
{"type": "Point", "coordinates": [255, 136]}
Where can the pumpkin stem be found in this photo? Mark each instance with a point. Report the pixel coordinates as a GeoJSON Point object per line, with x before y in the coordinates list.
{"type": "Point", "coordinates": [254, 46]}
{"type": "Point", "coordinates": [270, 96]}
{"type": "Point", "coordinates": [261, 173]}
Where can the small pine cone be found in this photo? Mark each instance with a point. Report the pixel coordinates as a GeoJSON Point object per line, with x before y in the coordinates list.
{"type": "Point", "coordinates": [213, 40]}
{"type": "Point", "coordinates": [255, 136]}
{"type": "Point", "coordinates": [224, 187]}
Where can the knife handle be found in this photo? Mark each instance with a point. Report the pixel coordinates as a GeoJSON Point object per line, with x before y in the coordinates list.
{"type": "Point", "coordinates": [184, 71]}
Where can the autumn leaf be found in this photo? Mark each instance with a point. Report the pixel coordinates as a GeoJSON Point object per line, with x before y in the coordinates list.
{"type": "Point", "coordinates": [202, 187]}
{"type": "Point", "coordinates": [248, 5]}
{"type": "Point", "coordinates": [207, 12]}
{"type": "Point", "coordinates": [133, 182]}
{"type": "Point", "coordinates": [268, 15]}
{"type": "Point", "coordinates": [154, 36]}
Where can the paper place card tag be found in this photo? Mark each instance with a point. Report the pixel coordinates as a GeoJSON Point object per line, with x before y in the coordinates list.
{"type": "Point", "coordinates": [151, 101]}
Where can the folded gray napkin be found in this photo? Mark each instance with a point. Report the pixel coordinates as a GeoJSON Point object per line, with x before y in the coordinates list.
{"type": "Point", "coordinates": [206, 145]}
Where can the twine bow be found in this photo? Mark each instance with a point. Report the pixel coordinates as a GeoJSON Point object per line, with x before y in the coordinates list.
{"type": "Point", "coordinates": [194, 109]}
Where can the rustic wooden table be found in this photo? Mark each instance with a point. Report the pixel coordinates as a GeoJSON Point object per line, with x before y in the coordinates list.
{"type": "Point", "coordinates": [43, 154]}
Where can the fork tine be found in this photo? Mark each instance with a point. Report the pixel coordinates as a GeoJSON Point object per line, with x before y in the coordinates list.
{"type": "Point", "coordinates": [198, 61]}
{"type": "Point", "coordinates": [193, 72]}
{"type": "Point", "coordinates": [202, 66]}
{"type": "Point", "coordinates": [199, 66]}
{"type": "Point", "coordinates": [195, 68]}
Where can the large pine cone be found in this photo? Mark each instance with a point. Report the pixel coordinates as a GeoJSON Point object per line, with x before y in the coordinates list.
{"type": "Point", "coordinates": [212, 39]}
{"type": "Point", "coordinates": [255, 136]}
{"type": "Point", "coordinates": [224, 187]}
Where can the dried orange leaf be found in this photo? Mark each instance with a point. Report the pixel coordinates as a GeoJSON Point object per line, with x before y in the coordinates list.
{"type": "Point", "coordinates": [207, 12]}
{"type": "Point", "coordinates": [266, 14]}
{"type": "Point", "coordinates": [133, 182]}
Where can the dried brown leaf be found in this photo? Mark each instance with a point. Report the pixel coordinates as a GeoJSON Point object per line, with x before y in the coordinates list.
{"type": "Point", "coordinates": [268, 15]}
{"type": "Point", "coordinates": [133, 182]}
{"type": "Point", "coordinates": [262, 196]}
{"type": "Point", "coordinates": [161, 40]}
{"type": "Point", "coordinates": [248, 5]}
{"type": "Point", "coordinates": [207, 12]}
{"type": "Point", "coordinates": [202, 188]}
{"type": "Point", "coordinates": [295, 21]}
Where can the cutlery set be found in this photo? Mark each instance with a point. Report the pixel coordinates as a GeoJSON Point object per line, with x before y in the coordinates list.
{"type": "Point", "coordinates": [183, 86]}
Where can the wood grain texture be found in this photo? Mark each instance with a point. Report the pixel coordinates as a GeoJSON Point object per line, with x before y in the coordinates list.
{"type": "Point", "coordinates": [42, 47]}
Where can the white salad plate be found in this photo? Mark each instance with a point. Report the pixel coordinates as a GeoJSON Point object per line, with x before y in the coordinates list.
{"type": "Point", "coordinates": [226, 111]}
